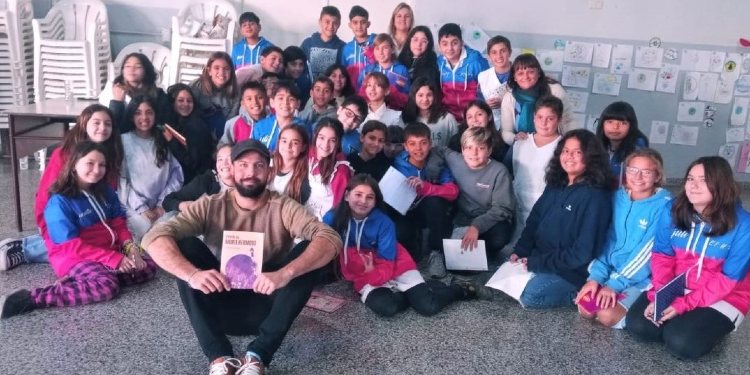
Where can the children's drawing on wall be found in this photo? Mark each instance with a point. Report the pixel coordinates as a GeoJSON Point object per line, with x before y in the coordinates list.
{"type": "Point", "coordinates": [742, 86]}
{"type": "Point", "coordinates": [707, 86]}
{"type": "Point", "coordinates": [708, 115]}
{"type": "Point", "coordinates": [729, 152]}
{"type": "Point", "coordinates": [622, 58]}
{"type": "Point", "coordinates": [716, 64]}
{"type": "Point", "coordinates": [746, 63]}
{"type": "Point", "coordinates": [738, 116]}
{"type": "Point", "coordinates": [559, 44]}
{"type": "Point", "coordinates": [684, 135]}
{"type": "Point", "coordinates": [666, 81]}
{"type": "Point", "coordinates": [671, 54]}
{"type": "Point", "coordinates": [576, 76]}
{"type": "Point", "coordinates": [577, 100]}
{"type": "Point", "coordinates": [659, 130]}
{"type": "Point", "coordinates": [475, 37]}
{"type": "Point", "coordinates": [690, 111]}
{"type": "Point", "coordinates": [732, 66]}
{"type": "Point", "coordinates": [696, 60]}
{"type": "Point", "coordinates": [642, 79]}
{"type": "Point", "coordinates": [690, 86]}
{"type": "Point", "coordinates": [607, 84]}
{"type": "Point", "coordinates": [743, 164]}
{"type": "Point", "coordinates": [648, 57]}
{"type": "Point", "coordinates": [551, 60]}
{"type": "Point", "coordinates": [578, 52]}
{"type": "Point", "coordinates": [724, 90]}
{"type": "Point", "coordinates": [735, 135]}
{"type": "Point", "coordinates": [602, 52]}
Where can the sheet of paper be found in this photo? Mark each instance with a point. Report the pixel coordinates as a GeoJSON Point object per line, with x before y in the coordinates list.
{"type": "Point", "coordinates": [551, 60]}
{"type": "Point", "coordinates": [577, 100]}
{"type": "Point", "coordinates": [666, 81]}
{"type": "Point", "coordinates": [696, 60]}
{"type": "Point", "coordinates": [739, 111]}
{"type": "Point", "coordinates": [684, 135]}
{"type": "Point", "coordinates": [690, 111]}
{"type": "Point", "coordinates": [732, 66]}
{"type": "Point", "coordinates": [745, 68]}
{"type": "Point", "coordinates": [578, 52]}
{"type": "Point", "coordinates": [511, 279]}
{"type": "Point", "coordinates": [396, 191]}
{"type": "Point", "coordinates": [622, 58]}
{"type": "Point", "coordinates": [716, 63]}
{"type": "Point", "coordinates": [724, 90]}
{"type": "Point", "coordinates": [648, 57]}
{"type": "Point", "coordinates": [459, 259]}
{"type": "Point", "coordinates": [576, 76]}
{"type": "Point", "coordinates": [602, 52]}
{"type": "Point", "coordinates": [607, 84]}
{"type": "Point", "coordinates": [659, 131]}
{"type": "Point", "coordinates": [707, 86]}
{"type": "Point", "coordinates": [743, 164]}
{"type": "Point", "coordinates": [742, 86]}
{"type": "Point", "coordinates": [735, 135]}
{"type": "Point", "coordinates": [729, 152]}
{"type": "Point", "coordinates": [642, 79]}
{"type": "Point", "coordinates": [690, 86]}
{"type": "Point", "coordinates": [475, 37]}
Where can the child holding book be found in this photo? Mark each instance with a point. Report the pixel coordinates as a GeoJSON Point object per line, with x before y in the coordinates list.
{"type": "Point", "coordinates": [323, 48]}
{"type": "Point", "coordinates": [247, 51]}
{"type": "Point", "coordinates": [376, 90]}
{"type": "Point", "coordinates": [387, 63]}
{"type": "Point", "coordinates": [370, 159]}
{"type": "Point", "coordinates": [382, 271]}
{"type": "Point", "coordinates": [90, 248]}
{"type": "Point", "coordinates": [357, 54]}
{"type": "Point", "coordinates": [285, 101]}
{"type": "Point", "coordinates": [704, 233]}
{"type": "Point", "coordinates": [328, 171]}
{"type": "Point", "coordinates": [425, 105]}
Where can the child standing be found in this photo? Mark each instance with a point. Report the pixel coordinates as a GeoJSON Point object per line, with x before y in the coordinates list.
{"type": "Point", "coordinates": [271, 61]}
{"type": "Point", "coordinates": [324, 48]}
{"type": "Point", "coordinates": [90, 248]}
{"type": "Point", "coordinates": [357, 54]}
{"type": "Point", "coordinates": [419, 55]}
{"type": "Point", "coordinates": [425, 105]}
{"type": "Point", "coordinates": [479, 114]}
{"type": "Point", "coordinates": [253, 109]}
{"type": "Point", "coordinates": [493, 82]}
{"type": "Point", "coordinates": [289, 169]}
{"type": "Point", "coordinates": [376, 264]}
{"type": "Point", "coordinates": [296, 69]}
{"type": "Point", "coordinates": [285, 101]}
{"type": "Point", "coordinates": [376, 88]}
{"type": "Point", "coordinates": [618, 131]}
{"type": "Point", "coordinates": [459, 70]}
{"type": "Point", "coordinates": [328, 171]}
{"type": "Point", "coordinates": [370, 159]}
{"type": "Point", "coordinates": [320, 106]}
{"type": "Point", "coordinates": [247, 51]}
{"type": "Point", "coordinates": [387, 63]}
{"type": "Point", "coordinates": [215, 92]}
{"type": "Point", "coordinates": [350, 114]}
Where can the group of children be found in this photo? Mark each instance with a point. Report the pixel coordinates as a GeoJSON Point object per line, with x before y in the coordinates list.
{"type": "Point", "coordinates": [488, 150]}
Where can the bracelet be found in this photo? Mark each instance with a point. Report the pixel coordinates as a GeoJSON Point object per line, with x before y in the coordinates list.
{"type": "Point", "coordinates": [191, 276]}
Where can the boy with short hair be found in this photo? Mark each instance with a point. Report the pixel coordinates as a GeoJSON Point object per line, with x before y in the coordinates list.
{"type": "Point", "coordinates": [253, 104]}
{"type": "Point", "coordinates": [351, 113]}
{"type": "Point", "coordinates": [459, 70]}
{"type": "Point", "coordinates": [354, 56]}
{"type": "Point", "coordinates": [320, 106]}
{"type": "Point", "coordinates": [296, 69]}
{"type": "Point", "coordinates": [285, 101]}
{"type": "Point", "coordinates": [270, 80]}
{"type": "Point", "coordinates": [248, 50]}
{"type": "Point", "coordinates": [323, 48]}
{"type": "Point", "coordinates": [271, 61]}
{"type": "Point", "coordinates": [370, 159]}
{"type": "Point", "coordinates": [434, 199]}
{"type": "Point", "coordinates": [493, 82]}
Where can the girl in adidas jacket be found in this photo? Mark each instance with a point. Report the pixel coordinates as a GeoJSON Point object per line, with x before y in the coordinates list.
{"type": "Point", "coordinates": [619, 275]}
{"type": "Point", "coordinates": [705, 235]}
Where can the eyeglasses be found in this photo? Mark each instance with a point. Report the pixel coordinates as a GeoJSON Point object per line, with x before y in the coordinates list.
{"type": "Point", "coordinates": [644, 172]}
{"type": "Point", "coordinates": [351, 115]}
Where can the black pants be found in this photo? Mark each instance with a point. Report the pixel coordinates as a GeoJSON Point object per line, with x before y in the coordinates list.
{"type": "Point", "coordinates": [687, 336]}
{"type": "Point", "coordinates": [242, 312]}
{"type": "Point", "coordinates": [432, 213]}
{"type": "Point", "coordinates": [496, 238]}
{"type": "Point", "coordinates": [427, 299]}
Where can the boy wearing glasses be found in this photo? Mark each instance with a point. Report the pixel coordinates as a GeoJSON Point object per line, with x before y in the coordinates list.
{"type": "Point", "coordinates": [351, 112]}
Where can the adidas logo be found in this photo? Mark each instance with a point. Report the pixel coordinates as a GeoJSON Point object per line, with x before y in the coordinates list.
{"type": "Point", "coordinates": [569, 207]}
{"type": "Point", "coordinates": [643, 223]}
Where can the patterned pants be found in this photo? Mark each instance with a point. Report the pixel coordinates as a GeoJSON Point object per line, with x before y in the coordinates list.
{"type": "Point", "coordinates": [89, 282]}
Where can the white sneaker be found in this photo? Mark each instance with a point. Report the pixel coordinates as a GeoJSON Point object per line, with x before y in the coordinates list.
{"type": "Point", "coordinates": [224, 366]}
{"type": "Point", "coordinates": [11, 253]}
{"type": "Point", "coordinates": [251, 366]}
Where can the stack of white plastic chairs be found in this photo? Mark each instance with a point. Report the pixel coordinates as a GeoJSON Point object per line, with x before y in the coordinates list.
{"type": "Point", "coordinates": [16, 55]}
{"type": "Point", "coordinates": [198, 30]}
{"type": "Point", "coordinates": [159, 56]}
{"type": "Point", "coordinates": [71, 50]}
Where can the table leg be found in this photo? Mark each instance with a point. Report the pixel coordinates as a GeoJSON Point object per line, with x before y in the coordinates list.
{"type": "Point", "coordinates": [14, 165]}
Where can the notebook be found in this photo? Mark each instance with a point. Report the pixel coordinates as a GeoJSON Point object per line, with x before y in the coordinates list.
{"type": "Point", "coordinates": [667, 294]}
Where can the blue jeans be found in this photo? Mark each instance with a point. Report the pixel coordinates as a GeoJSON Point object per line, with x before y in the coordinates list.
{"type": "Point", "coordinates": [34, 249]}
{"type": "Point", "coordinates": [547, 290]}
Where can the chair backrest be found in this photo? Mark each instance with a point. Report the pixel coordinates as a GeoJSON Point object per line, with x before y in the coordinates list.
{"type": "Point", "coordinates": [156, 53]}
{"type": "Point", "coordinates": [197, 12]}
{"type": "Point", "coordinates": [81, 20]}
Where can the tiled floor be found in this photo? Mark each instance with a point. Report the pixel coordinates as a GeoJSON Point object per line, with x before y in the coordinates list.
{"type": "Point", "coordinates": [145, 331]}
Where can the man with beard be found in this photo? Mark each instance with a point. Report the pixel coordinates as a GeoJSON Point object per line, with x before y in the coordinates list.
{"type": "Point", "coordinates": [278, 294]}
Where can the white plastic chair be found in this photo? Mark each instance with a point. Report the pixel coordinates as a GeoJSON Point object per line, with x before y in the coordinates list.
{"type": "Point", "coordinates": [158, 55]}
{"type": "Point", "coordinates": [71, 44]}
{"type": "Point", "coordinates": [16, 55]}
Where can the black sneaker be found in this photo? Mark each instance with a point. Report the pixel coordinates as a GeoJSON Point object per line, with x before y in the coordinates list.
{"type": "Point", "coordinates": [16, 303]}
{"type": "Point", "coordinates": [11, 253]}
{"type": "Point", "coordinates": [468, 287]}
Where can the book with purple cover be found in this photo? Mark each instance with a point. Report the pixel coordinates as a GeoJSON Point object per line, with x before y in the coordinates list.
{"type": "Point", "coordinates": [667, 294]}
{"type": "Point", "coordinates": [325, 303]}
{"type": "Point", "coordinates": [241, 258]}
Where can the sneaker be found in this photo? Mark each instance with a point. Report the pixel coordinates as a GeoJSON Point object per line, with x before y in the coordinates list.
{"type": "Point", "coordinates": [436, 265]}
{"type": "Point", "coordinates": [251, 366]}
{"type": "Point", "coordinates": [11, 253]}
{"type": "Point", "coordinates": [16, 303]}
{"type": "Point", "coordinates": [468, 287]}
{"type": "Point", "coordinates": [224, 366]}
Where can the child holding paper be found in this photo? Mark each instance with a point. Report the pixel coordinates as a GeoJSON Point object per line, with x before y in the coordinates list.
{"type": "Point", "coordinates": [704, 233]}
{"type": "Point", "coordinates": [382, 271]}
{"type": "Point", "coordinates": [623, 268]}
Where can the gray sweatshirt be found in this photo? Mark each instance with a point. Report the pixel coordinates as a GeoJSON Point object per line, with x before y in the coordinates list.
{"type": "Point", "coordinates": [143, 185]}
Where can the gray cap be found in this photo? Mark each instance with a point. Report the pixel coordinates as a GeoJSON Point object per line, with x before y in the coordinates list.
{"type": "Point", "coordinates": [250, 145]}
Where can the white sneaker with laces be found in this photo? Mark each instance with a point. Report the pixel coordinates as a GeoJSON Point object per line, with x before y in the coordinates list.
{"type": "Point", "coordinates": [11, 253]}
{"type": "Point", "coordinates": [224, 366]}
{"type": "Point", "coordinates": [251, 366]}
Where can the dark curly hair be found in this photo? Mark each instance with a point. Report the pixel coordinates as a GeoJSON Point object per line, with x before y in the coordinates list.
{"type": "Point", "coordinates": [160, 143]}
{"type": "Point", "coordinates": [597, 171]}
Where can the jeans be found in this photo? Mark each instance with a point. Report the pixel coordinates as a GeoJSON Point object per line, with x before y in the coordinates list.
{"type": "Point", "coordinates": [34, 249]}
{"type": "Point", "coordinates": [548, 290]}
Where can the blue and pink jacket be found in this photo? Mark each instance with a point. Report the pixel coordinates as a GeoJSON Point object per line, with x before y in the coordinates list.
{"type": "Point", "coordinates": [444, 187]}
{"type": "Point", "coordinates": [460, 83]}
{"type": "Point", "coordinates": [355, 56]}
{"type": "Point", "coordinates": [243, 54]}
{"type": "Point", "coordinates": [398, 81]}
{"type": "Point", "coordinates": [716, 266]}
{"type": "Point", "coordinates": [84, 228]}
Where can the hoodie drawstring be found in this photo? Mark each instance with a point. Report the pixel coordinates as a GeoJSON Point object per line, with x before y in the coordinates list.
{"type": "Point", "coordinates": [100, 213]}
{"type": "Point", "coordinates": [359, 231]}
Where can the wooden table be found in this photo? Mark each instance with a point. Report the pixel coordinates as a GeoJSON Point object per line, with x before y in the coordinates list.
{"type": "Point", "coordinates": [35, 126]}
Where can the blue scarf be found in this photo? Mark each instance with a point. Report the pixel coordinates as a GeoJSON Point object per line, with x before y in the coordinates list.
{"type": "Point", "coordinates": [526, 99]}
